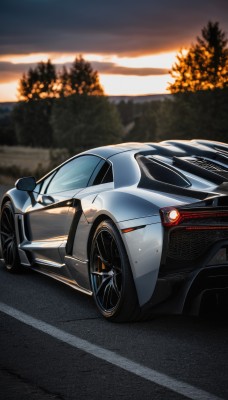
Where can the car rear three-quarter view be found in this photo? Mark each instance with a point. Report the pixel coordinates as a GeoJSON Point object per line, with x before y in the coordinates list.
{"type": "Point", "coordinates": [141, 227]}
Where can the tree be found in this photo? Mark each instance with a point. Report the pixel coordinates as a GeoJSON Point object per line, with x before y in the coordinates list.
{"type": "Point", "coordinates": [39, 82]}
{"type": "Point", "coordinates": [32, 123]}
{"type": "Point", "coordinates": [81, 122]}
{"type": "Point", "coordinates": [191, 115]}
{"type": "Point", "coordinates": [40, 87]}
{"type": "Point", "coordinates": [144, 127]}
{"type": "Point", "coordinates": [43, 82]}
{"type": "Point", "coordinates": [7, 132]}
{"type": "Point", "coordinates": [205, 65]}
{"type": "Point", "coordinates": [81, 79]}
{"type": "Point", "coordinates": [127, 110]}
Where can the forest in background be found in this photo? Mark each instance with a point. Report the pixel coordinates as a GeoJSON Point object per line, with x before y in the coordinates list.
{"type": "Point", "coordinates": [79, 125]}
{"type": "Point", "coordinates": [67, 112]}
{"type": "Point", "coordinates": [77, 122]}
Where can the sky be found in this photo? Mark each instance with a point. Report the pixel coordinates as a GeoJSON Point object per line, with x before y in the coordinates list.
{"type": "Point", "coordinates": [131, 43]}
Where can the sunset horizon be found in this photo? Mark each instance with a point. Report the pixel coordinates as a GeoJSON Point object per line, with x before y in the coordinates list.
{"type": "Point", "coordinates": [128, 76]}
{"type": "Point", "coordinates": [131, 51]}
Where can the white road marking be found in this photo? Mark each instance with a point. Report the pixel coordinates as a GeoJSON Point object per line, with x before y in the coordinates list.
{"type": "Point", "coordinates": [151, 375]}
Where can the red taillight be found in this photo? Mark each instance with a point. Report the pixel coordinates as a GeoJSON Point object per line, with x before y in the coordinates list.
{"type": "Point", "coordinates": [170, 216]}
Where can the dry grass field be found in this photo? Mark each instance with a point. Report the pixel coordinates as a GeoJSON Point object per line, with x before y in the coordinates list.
{"type": "Point", "coordinates": [24, 157]}
{"type": "Point", "coordinates": [16, 161]}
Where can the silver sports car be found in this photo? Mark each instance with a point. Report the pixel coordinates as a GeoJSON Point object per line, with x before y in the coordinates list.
{"type": "Point", "coordinates": [141, 227]}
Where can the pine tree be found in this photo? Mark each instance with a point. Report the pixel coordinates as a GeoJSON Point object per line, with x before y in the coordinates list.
{"type": "Point", "coordinates": [39, 83]}
{"type": "Point", "coordinates": [81, 79]}
{"type": "Point", "coordinates": [205, 65]}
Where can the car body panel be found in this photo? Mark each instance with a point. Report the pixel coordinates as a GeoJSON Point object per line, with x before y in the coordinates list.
{"type": "Point", "coordinates": [54, 232]}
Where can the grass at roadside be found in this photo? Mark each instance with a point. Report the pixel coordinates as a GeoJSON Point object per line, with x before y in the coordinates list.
{"type": "Point", "coordinates": [18, 161]}
{"type": "Point", "coordinates": [24, 157]}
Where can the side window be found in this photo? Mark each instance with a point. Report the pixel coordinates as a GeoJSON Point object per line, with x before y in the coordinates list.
{"type": "Point", "coordinates": [108, 177]}
{"type": "Point", "coordinates": [102, 174]}
{"type": "Point", "coordinates": [73, 175]}
{"type": "Point", "coordinates": [46, 182]}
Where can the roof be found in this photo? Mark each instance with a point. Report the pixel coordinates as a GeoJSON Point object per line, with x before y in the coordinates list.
{"type": "Point", "coordinates": [168, 148]}
{"type": "Point", "coordinates": [109, 151]}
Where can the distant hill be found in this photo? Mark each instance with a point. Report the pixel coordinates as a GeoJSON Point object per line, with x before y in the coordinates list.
{"type": "Point", "coordinates": [6, 107]}
{"type": "Point", "coordinates": [140, 99]}
{"type": "Point", "coordinates": [7, 104]}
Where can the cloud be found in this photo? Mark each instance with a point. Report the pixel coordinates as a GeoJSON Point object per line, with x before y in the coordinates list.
{"type": "Point", "coordinates": [130, 27]}
{"type": "Point", "coordinates": [111, 68]}
{"type": "Point", "coordinates": [11, 72]}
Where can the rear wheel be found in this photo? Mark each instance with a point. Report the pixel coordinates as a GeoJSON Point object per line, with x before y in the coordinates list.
{"type": "Point", "coordinates": [8, 239]}
{"type": "Point", "coordinates": [111, 277]}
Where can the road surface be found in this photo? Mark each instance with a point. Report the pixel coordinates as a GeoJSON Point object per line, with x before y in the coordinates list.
{"type": "Point", "coordinates": [55, 345]}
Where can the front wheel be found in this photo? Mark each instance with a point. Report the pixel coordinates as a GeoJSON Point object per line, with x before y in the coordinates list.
{"type": "Point", "coordinates": [8, 239]}
{"type": "Point", "coordinates": [111, 277]}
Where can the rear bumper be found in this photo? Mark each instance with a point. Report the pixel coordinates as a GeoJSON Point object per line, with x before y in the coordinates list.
{"type": "Point", "coordinates": [184, 284]}
{"type": "Point", "coordinates": [189, 292]}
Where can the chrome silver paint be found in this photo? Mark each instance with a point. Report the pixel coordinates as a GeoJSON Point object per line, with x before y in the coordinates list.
{"type": "Point", "coordinates": [123, 202]}
{"type": "Point", "coordinates": [144, 247]}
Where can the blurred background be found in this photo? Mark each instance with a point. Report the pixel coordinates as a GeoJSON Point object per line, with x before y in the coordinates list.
{"type": "Point", "coordinates": [76, 75]}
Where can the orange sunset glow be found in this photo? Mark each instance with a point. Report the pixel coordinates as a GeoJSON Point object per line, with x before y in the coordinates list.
{"type": "Point", "coordinates": [115, 84]}
{"type": "Point", "coordinates": [131, 45]}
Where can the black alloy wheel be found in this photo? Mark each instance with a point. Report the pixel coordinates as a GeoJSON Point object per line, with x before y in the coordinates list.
{"type": "Point", "coordinates": [8, 239]}
{"type": "Point", "coordinates": [110, 273]}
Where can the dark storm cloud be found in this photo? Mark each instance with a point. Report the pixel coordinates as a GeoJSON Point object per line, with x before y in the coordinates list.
{"type": "Point", "coordinates": [127, 26]}
{"type": "Point", "coordinates": [11, 72]}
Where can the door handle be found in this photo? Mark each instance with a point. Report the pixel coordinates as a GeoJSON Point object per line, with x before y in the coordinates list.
{"type": "Point", "coordinates": [45, 200]}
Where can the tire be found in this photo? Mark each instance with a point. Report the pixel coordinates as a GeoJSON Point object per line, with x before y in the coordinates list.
{"type": "Point", "coordinates": [111, 277]}
{"type": "Point", "coordinates": [8, 239]}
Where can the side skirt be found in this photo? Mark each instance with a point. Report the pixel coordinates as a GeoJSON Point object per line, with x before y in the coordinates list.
{"type": "Point", "coordinates": [67, 281]}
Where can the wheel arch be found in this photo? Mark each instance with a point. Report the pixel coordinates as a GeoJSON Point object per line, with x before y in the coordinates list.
{"type": "Point", "coordinates": [4, 201]}
{"type": "Point", "coordinates": [130, 309]}
{"type": "Point", "coordinates": [96, 223]}
{"type": "Point", "coordinates": [9, 245]}
{"type": "Point", "coordinates": [17, 198]}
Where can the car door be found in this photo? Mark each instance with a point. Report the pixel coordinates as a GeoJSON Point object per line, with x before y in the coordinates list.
{"type": "Point", "coordinates": [76, 249]}
{"type": "Point", "coordinates": [48, 218]}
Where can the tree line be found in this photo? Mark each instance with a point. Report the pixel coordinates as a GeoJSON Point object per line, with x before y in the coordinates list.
{"type": "Point", "coordinates": [68, 109]}
{"type": "Point", "coordinates": [204, 66]}
{"type": "Point", "coordinates": [44, 82]}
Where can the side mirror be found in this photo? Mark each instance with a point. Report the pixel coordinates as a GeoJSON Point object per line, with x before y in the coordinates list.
{"type": "Point", "coordinates": [27, 184]}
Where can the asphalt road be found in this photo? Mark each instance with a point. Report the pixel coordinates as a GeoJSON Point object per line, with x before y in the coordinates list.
{"type": "Point", "coordinates": [189, 353]}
